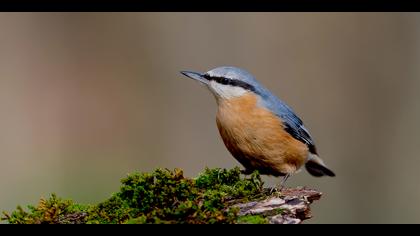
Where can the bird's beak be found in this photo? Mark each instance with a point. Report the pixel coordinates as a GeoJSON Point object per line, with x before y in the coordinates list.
{"type": "Point", "coordinates": [195, 76]}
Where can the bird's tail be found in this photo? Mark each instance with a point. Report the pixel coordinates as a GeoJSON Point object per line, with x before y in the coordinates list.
{"type": "Point", "coordinates": [316, 167]}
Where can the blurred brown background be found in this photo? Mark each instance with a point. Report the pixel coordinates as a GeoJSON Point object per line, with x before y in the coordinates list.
{"type": "Point", "coordinates": [86, 98]}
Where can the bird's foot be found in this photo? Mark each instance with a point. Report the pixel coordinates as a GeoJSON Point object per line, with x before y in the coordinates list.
{"type": "Point", "coordinates": [279, 187]}
{"type": "Point", "coordinates": [276, 190]}
{"type": "Point", "coordinates": [273, 189]}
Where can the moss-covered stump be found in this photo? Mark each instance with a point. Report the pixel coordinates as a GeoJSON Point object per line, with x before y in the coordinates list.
{"type": "Point", "coordinates": [164, 196]}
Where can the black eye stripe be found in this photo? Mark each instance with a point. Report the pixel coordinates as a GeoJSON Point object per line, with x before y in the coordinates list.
{"type": "Point", "coordinates": [233, 82]}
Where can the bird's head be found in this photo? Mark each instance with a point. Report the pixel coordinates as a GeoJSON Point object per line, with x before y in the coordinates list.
{"type": "Point", "coordinates": [226, 82]}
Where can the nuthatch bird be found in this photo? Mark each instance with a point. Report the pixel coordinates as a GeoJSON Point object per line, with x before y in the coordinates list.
{"type": "Point", "coordinates": [257, 128]}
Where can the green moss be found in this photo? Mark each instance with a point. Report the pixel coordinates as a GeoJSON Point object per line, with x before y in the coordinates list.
{"type": "Point", "coordinates": [252, 219]}
{"type": "Point", "coordinates": [162, 196]}
{"type": "Point", "coordinates": [279, 211]}
{"type": "Point", "coordinates": [51, 211]}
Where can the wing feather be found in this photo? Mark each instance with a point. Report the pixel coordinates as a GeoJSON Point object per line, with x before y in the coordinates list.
{"type": "Point", "coordinates": [293, 124]}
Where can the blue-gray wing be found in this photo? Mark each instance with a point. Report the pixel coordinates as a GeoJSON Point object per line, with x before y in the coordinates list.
{"type": "Point", "coordinates": [293, 124]}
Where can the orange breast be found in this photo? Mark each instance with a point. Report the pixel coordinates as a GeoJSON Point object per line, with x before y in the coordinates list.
{"type": "Point", "coordinates": [257, 139]}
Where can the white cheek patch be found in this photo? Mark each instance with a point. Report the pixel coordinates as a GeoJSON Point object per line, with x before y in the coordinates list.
{"type": "Point", "coordinates": [226, 91]}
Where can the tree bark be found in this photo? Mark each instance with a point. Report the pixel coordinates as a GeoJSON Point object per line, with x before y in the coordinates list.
{"type": "Point", "coordinates": [290, 206]}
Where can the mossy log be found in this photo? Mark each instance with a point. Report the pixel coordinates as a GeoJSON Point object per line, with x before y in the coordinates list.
{"type": "Point", "coordinates": [290, 206]}
{"type": "Point", "coordinates": [164, 196]}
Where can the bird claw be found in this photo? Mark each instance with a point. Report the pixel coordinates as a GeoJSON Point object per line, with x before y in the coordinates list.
{"type": "Point", "coordinates": [272, 189]}
{"type": "Point", "coordinates": [279, 188]}
{"type": "Point", "coordinates": [275, 190]}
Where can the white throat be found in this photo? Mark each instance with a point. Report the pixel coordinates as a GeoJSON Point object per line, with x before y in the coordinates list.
{"type": "Point", "coordinates": [222, 91]}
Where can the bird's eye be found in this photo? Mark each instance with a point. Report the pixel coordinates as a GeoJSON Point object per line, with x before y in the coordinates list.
{"type": "Point", "coordinates": [225, 81]}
